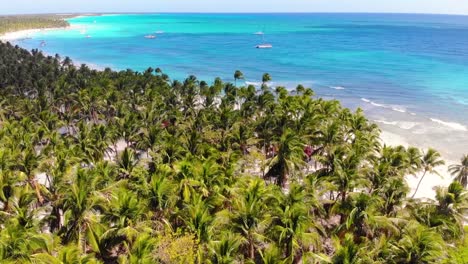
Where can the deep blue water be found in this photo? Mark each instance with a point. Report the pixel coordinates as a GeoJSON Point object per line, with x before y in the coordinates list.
{"type": "Point", "coordinates": [409, 72]}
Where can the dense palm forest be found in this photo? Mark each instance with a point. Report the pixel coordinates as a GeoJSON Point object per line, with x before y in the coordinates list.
{"type": "Point", "coordinates": [16, 23]}
{"type": "Point", "coordinates": [133, 167]}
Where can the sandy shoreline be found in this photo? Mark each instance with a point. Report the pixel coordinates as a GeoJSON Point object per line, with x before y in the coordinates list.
{"type": "Point", "coordinates": [27, 33]}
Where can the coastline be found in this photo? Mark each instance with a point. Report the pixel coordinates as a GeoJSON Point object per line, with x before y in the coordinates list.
{"type": "Point", "coordinates": [21, 34]}
{"type": "Point", "coordinates": [26, 33]}
{"type": "Point", "coordinates": [426, 189]}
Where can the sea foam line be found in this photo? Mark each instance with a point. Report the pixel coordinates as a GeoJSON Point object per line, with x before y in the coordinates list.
{"type": "Point", "coordinates": [337, 87]}
{"type": "Point", "coordinates": [401, 124]}
{"type": "Point", "coordinates": [453, 125]}
{"type": "Point", "coordinates": [394, 108]}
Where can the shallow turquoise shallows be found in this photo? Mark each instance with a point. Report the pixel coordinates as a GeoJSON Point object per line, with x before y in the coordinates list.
{"type": "Point", "coordinates": [408, 72]}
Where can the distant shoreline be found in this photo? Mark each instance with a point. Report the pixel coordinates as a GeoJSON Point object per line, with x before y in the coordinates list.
{"type": "Point", "coordinates": [11, 35]}
{"type": "Point", "coordinates": [235, 13]}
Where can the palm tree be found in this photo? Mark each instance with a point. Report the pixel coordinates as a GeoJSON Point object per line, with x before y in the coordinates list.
{"type": "Point", "coordinates": [347, 252]}
{"type": "Point", "coordinates": [124, 209]}
{"type": "Point", "coordinates": [460, 171]}
{"type": "Point", "coordinates": [418, 244]}
{"type": "Point", "coordinates": [266, 78]}
{"type": "Point", "coordinates": [429, 162]}
{"type": "Point", "coordinates": [238, 75]}
{"type": "Point", "coordinates": [293, 227]}
{"type": "Point", "coordinates": [29, 162]}
{"type": "Point", "coordinates": [249, 216]}
{"type": "Point", "coordinates": [127, 162]}
{"type": "Point", "coordinates": [79, 202]}
{"type": "Point", "coordinates": [141, 250]}
{"type": "Point", "coordinates": [198, 219]}
{"type": "Point", "coordinates": [162, 194]}
{"type": "Point", "coordinates": [363, 219]}
{"type": "Point", "coordinates": [224, 250]}
{"type": "Point", "coordinates": [289, 158]}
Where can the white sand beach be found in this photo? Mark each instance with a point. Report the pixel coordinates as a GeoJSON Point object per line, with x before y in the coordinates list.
{"type": "Point", "coordinates": [15, 35]}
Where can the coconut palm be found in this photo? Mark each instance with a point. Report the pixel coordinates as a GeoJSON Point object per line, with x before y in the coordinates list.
{"type": "Point", "coordinates": [237, 76]}
{"type": "Point", "coordinates": [429, 162]}
{"type": "Point", "coordinates": [79, 203]}
{"type": "Point", "coordinates": [460, 171]}
{"type": "Point", "coordinates": [28, 163]}
{"type": "Point", "coordinates": [293, 227]}
{"type": "Point", "coordinates": [127, 162]}
{"type": "Point", "coordinates": [418, 244]}
{"type": "Point", "coordinates": [249, 216]}
{"type": "Point", "coordinates": [266, 78]}
{"type": "Point", "coordinates": [288, 159]}
{"type": "Point", "coordinates": [346, 252]}
{"type": "Point", "coordinates": [224, 250]}
{"type": "Point", "coordinates": [197, 218]}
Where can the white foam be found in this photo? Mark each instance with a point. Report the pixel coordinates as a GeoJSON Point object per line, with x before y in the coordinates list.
{"type": "Point", "coordinates": [394, 108]}
{"type": "Point", "coordinates": [393, 123]}
{"type": "Point", "coordinates": [372, 102]}
{"type": "Point", "coordinates": [337, 87]}
{"type": "Point", "coordinates": [398, 109]}
{"type": "Point", "coordinates": [253, 83]}
{"type": "Point", "coordinates": [452, 125]}
{"type": "Point", "coordinates": [376, 104]}
{"type": "Point", "coordinates": [401, 124]}
{"type": "Point", "coordinates": [407, 125]}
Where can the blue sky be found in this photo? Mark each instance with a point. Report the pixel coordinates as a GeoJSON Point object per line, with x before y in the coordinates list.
{"type": "Point", "coordinates": [393, 6]}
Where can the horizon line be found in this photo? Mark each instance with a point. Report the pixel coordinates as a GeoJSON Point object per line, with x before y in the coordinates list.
{"type": "Point", "coordinates": [240, 13]}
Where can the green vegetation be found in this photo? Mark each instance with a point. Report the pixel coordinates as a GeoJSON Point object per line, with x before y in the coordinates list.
{"type": "Point", "coordinates": [130, 167]}
{"type": "Point", "coordinates": [17, 23]}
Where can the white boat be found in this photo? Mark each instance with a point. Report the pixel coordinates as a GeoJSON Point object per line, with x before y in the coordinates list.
{"type": "Point", "coordinates": [88, 36]}
{"type": "Point", "coordinates": [43, 43]}
{"type": "Point", "coordinates": [159, 32]}
{"type": "Point", "coordinates": [264, 46]}
{"type": "Point", "coordinates": [150, 36]}
{"type": "Point", "coordinates": [259, 33]}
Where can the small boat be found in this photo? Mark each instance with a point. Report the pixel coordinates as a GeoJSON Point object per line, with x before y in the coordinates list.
{"type": "Point", "coordinates": [88, 36]}
{"type": "Point", "coordinates": [150, 36]}
{"type": "Point", "coordinates": [43, 43]}
{"type": "Point", "coordinates": [259, 33]}
{"type": "Point", "coordinates": [159, 32]}
{"type": "Point", "coordinates": [264, 46]}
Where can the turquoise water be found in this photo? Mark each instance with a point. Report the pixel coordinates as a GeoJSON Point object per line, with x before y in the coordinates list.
{"type": "Point", "coordinates": [408, 72]}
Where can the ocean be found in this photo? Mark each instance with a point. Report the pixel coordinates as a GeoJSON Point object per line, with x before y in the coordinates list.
{"type": "Point", "coordinates": [408, 72]}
